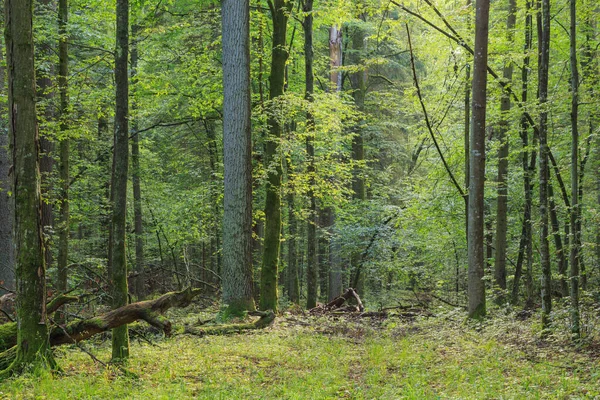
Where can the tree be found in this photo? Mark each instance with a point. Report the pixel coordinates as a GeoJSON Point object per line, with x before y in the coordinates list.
{"type": "Point", "coordinates": [237, 157]}
{"type": "Point", "coordinates": [7, 254]}
{"type": "Point", "coordinates": [502, 202]}
{"type": "Point", "coordinates": [312, 265]}
{"type": "Point", "coordinates": [575, 213]}
{"type": "Point", "coordinates": [120, 338]}
{"type": "Point", "coordinates": [136, 171]}
{"type": "Point", "coordinates": [280, 10]}
{"type": "Point", "coordinates": [476, 285]}
{"type": "Point", "coordinates": [544, 45]}
{"type": "Point", "coordinates": [33, 346]}
{"type": "Point", "coordinates": [63, 73]}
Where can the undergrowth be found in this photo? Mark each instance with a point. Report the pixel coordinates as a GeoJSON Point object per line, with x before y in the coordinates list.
{"type": "Point", "coordinates": [302, 357]}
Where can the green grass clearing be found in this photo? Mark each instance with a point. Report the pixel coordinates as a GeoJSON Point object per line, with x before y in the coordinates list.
{"type": "Point", "coordinates": [429, 359]}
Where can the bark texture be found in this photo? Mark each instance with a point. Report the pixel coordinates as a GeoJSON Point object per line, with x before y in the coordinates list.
{"type": "Point", "coordinates": [120, 337]}
{"type": "Point", "coordinates": [7, 211]}
{"type": "Point", "coordinates": [135, 178]}
{"type": "Point", "coordinates": [543, 173]}
{"type": "Point", "coordinates": [33, 346]}
{"type": "Point", "coordinates": [237, 153]}
{"type": "Point", "coordinates": [575, 212]}
{"type": "Point", "coordinates": [63, 168]}
{"type": "Point", "coordinates": [280, 10]}
{"type": "Point", "coordinates": [312, 269]}
{"type": "Point", "coordinates": [476, 285]}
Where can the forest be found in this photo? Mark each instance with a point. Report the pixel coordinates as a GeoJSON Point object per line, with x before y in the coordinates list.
{"type": "Point", "coordinates": [300, 199]}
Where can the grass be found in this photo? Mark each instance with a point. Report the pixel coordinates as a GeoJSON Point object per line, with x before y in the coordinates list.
{"type": "Point", "coordinates": [429, 359]}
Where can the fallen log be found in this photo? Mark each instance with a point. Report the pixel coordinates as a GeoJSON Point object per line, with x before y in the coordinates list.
{"type": "Point", "coordinates": [148, 311]}
{"type": "Point", "coordinates": [8, 331]}
{"type": "Point", "coordinates": [337, 303]}
{"type": "Point", "coordinates": [266, 319]}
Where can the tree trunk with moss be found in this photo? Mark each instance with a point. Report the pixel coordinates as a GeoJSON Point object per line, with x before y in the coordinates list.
{"type": "Point", "coordinates": [312, 266]}
{"type": "Point", "coordinates": [7, 213]}
{"type": "Point", "coordinates": [33, 346]}
{"type": "Point", "coordinates": [120, 336]}
{"type": "Point", "coordinates": [280, 10]}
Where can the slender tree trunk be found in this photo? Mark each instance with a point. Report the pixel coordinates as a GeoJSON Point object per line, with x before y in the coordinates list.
{"type": "Point", "coordinates": [589, 67]}
{"type": "Point", "coordinates": [7, 207]}
{"type": "Point", "coordinates": [237, 157]}
{"type": "Point", "coordinates": [476, 285]}
{"type": "Point", "coordinates": [359, 91]}
{"type": "Point", "coordinates": [292, 275]}
{"type": "Point", "coordinates": [543, 191]}
{"type": "Point", "coordinates": [467, 145]}
{"type": "Point", "coordinates": [575, 214]}
{"type": "Point", "coordinates": [528, 165]}
{"type": "Point", "coordinates": [334, 274]}
{"type": "Point", "coordinates": [63, 168]}
{"type": "Point", "coordinates": [502, 202]}
{"type": "Point", "coordinates": [135, 164]}
{"type": "Point", "coordinates": [560, 249]}
{"type": "Point", "coordinates": [312, 266]}
{"type": "Point", "coordinates": [33, 346]}
{"type": "Point", "coordinates": [467, 128]}
{"type": "Point", "coordinates": [120, 337]}
{"type": "Point", "coordinates": [280, 10]}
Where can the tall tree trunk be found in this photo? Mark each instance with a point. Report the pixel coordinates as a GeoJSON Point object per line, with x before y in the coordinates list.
{"type": "Point", "coordinates": [529, 163]}
{"type": "Point", "coordinates": [135, 177]}
{"type": "Point", "coordinates": [589, 67]}
{"type": "Point", "coordinates": [312, 266]}
{"type": "Point", "coordinates": [63, 73]}
{"type": "Point", "coordinates": [280, 10]}
{"type": "Point", "coordinates": [476, 285]}
{"type": "Point", "coordinates": [543, 191]}
{"type": "Point", "coordinates": [575, 214]}
{"type": "Point", "coordinates": [7, 207]}
{"type": "Point", "coordinates": [45, 96]}
{"type": "Point", "coordinates": [502, 180]}
{"type": "Point", "coordinates": [237, 153]}
{"type": "Point", "coordinates": [120, 337]}
{"type": "Point", "coordinates": [334, 274]}
{"type": "Point", "coordinates": [33, 346]}
{"type": "Point", "coordinates": [359, 90]}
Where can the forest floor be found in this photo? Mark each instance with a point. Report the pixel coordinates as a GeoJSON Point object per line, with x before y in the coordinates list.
{"type": "Point", "coordinates": [302, 357]}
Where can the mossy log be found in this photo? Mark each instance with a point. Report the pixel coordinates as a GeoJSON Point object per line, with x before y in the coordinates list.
{"type": "Point", "coordinates": [8, 331]}
{"type": "Point", "coordinates": [266, 319]}
{"type": "Point", "coordinates": [148, 311]}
